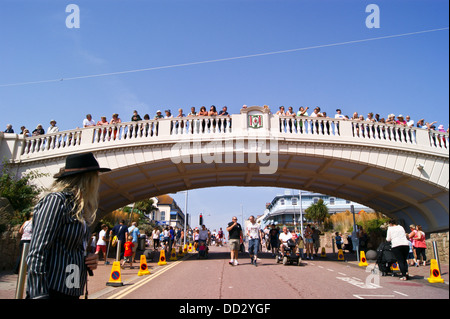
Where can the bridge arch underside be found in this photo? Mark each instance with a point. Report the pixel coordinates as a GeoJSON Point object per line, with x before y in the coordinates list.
{"type": "Point", "coordinates": [409, 198]}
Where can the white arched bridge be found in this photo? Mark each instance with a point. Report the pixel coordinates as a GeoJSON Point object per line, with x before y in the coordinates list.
{"type": "Point", "coordinates": [402, 172]}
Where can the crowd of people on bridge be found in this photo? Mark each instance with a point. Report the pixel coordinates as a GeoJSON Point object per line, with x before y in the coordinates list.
{"type": "Point", "coordinates": [290, 112]}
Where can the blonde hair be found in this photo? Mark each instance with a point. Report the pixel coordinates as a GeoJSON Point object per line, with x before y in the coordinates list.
{"type": "Point", "coordinates": [85, 189]}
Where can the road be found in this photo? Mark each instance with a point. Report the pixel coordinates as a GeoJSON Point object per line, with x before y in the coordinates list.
{"type": "Point", "coordinates": [214, 278]}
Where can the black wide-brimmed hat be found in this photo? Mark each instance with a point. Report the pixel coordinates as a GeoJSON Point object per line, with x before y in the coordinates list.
{"type": "Point", "coordinates": [80, 163]}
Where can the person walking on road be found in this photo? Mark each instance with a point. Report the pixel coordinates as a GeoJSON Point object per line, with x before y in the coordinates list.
{"type": "Point", "coordinates": [121, 231]}
{"type": "Point", "coordinates": [273, 240]}
{"type": "Point", "coordinates": [253, 231]}
{"type": "Point", "coordinates": [309, 242]}
{"type": "Point", "coordinates": [234, 230]}
{"type": "Point", "coordinates": [400, 246]}
{"type": "Point", "coordinates": [134, 233]}
{"type": "Point", "coordinates": [155, 236]}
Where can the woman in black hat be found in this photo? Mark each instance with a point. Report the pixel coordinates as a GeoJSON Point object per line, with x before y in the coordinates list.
{"type": "Point", "coordinates": [57, 263]}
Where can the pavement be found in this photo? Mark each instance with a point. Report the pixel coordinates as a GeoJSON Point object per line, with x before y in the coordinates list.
{"type": "Point", "coordinates": [97, 284]}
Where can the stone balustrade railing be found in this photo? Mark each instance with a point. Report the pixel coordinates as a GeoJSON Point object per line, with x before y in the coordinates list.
{"type": "Point", "coordinates": [363, 130]}
{"type": "Point", "coordinates": [17, 148]}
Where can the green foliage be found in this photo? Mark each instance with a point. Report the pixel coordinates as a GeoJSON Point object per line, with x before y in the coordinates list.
{"type": "Point", "coordinates": [317, 212]}
{"type": "Point", "coordinates": [20, 192]}
{"type": "Point", "coordinates": [373, 226]}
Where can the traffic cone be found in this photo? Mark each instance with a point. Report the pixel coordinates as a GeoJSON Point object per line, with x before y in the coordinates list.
{"type": "Point", "coordinates": [190, 248]}
{"type": "Point", "coordinates": [185, 249]}
{"type": "Point", "coordinates": [363, 259]}
{"type": "Point", "coordinates": [173, 254]}
{"type": "Point", "coordinates": [143, 268]}
{"type": "Point", "coordinates": [115, 279]}
{"type": "Point", "coordinates": [180, 252]}
{"type": "Point", "coordinates": [394, 267]}
{"type": "Point", "coordinates": [323, 254]}
{"type": "Point", "coordinates": [340, 255]}
{"type": "Point", "coordinates": [435, 274]}
{"type": "Point", "coordinates": [162, 258]}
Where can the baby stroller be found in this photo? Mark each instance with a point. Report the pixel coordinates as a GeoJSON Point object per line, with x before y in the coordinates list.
{"type": "Point", "coordinates": [385, 258]}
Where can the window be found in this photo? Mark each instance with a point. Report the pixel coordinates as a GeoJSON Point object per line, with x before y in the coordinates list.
{"type": "Point", "coordinates": [282, 201]}
{"type": "Point", "coordinates": [315, 200]}
{"type": "Point", "coordinates": [332, 200]}
{"type": "Point", "coordinates": [163, 215]}
{"type": "Point", "coordinates": [294, 201]}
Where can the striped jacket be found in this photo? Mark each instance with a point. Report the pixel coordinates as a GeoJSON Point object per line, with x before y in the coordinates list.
{"type": "Point", "coordinates": [56, 255]}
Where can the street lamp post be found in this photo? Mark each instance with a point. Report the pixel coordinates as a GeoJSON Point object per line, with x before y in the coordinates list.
{"type": "Point", "coordinates": [185, 215]}
{"type": "Point", "coordinates": [301, 211]}
{"type": "Point", "coordinates": [355, 240]}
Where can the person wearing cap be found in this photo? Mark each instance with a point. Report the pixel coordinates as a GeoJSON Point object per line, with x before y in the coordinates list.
{"type": "Point", "coordinates": [57, 261]}
{"type": "Point", "coordinates": [52, 128]}
{"type": "Point", "coordinates": [391, 119]}
{"type": "Point", "coordinates": [400, 120]}
{"type": "Point", "coordinates": [168, 114]}
{"type": "Point", "coordinates": [158, 115]}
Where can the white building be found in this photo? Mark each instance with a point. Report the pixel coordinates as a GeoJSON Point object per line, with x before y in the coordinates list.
{"type": "Point", "coordinates": [168, 213]}
{"type": "Point", "coordinates": [284, 208]}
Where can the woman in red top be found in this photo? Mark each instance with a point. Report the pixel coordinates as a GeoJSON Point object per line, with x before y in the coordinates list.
{"type": "Point", "coordinates": [420, 245]}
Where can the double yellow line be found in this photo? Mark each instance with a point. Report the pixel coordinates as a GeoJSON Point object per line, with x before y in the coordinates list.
{"type": "Point", "coordinates": [139, 284]}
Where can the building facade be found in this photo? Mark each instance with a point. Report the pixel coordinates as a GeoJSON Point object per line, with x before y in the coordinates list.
{"type": "Point", "coordinates": [285, 209]}
{"type": "Point", "coordinates": [168, 213]}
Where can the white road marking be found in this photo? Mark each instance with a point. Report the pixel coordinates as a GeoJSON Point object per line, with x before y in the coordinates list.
{"type": "Point", "coordinates": [400, 293]}
{"type": "Point", "coordinates": [379, 296]}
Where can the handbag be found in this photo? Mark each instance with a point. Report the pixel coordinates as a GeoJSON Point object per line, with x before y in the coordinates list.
{"type": "Point", "coordinates": [114, 241]}
{"type": "Point", "coordinates": [242, 248]}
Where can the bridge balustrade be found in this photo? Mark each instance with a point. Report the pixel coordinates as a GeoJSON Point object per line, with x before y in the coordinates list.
{"type": "Point", "coordinates": [200, 125]}
{"type": "Point", "coordinates": [168, 130]}
{"type": "Point", "coordinates": [361, 130]}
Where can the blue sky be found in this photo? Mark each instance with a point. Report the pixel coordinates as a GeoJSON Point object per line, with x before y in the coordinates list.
{"type": "Point", "coordinates": [402, 75]}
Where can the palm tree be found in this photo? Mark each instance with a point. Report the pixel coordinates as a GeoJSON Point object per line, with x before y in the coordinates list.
{"type": "Point", "coordinates": [317, 212]}
{"type": "Point", "coordinates": [146, 206]}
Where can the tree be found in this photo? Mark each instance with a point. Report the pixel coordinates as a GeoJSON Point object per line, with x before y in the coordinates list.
{"type": "Point", "coordinates": [146, 206]}
{"type": "Point", "coordinates": [317, 212]}
{"type": "Point", "coordinates": [20, 192]}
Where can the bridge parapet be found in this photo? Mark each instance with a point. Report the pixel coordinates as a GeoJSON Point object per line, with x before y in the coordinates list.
{"type": "Point", "coordinates": [368, 133]}
{"type": "Point", "coordinates": [15, 148]}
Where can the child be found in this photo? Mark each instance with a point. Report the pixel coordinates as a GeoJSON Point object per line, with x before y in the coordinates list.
{"type": "Point", "coordinates": [202, 249]}
{"type": "Point", "coordinates": [412, 261]}
{"type": "Point", "coordinates": [338, 240]}
{"type": "Point", "coordinates": [128, 253]}
{"type": "Point", "coordinates": [300, 245]}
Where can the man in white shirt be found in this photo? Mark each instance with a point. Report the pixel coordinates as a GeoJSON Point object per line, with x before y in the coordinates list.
{"type": "Point", "coordinates": [88, 121]}
{"type": "Point", "coordinates": [316, 112]}
{"type": "Point", "coordinates": [339, 115]}
{"type": "Point", "coordinates": [409, 122]}
{"type": "Point", "coordinates": [52, 128]}
{"type": "Point", "coordinates": [253, 231]}
{"type": "Point", "coordinates": [284, 237]}
{"type": "Point", "coordinates": [203, 234]}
